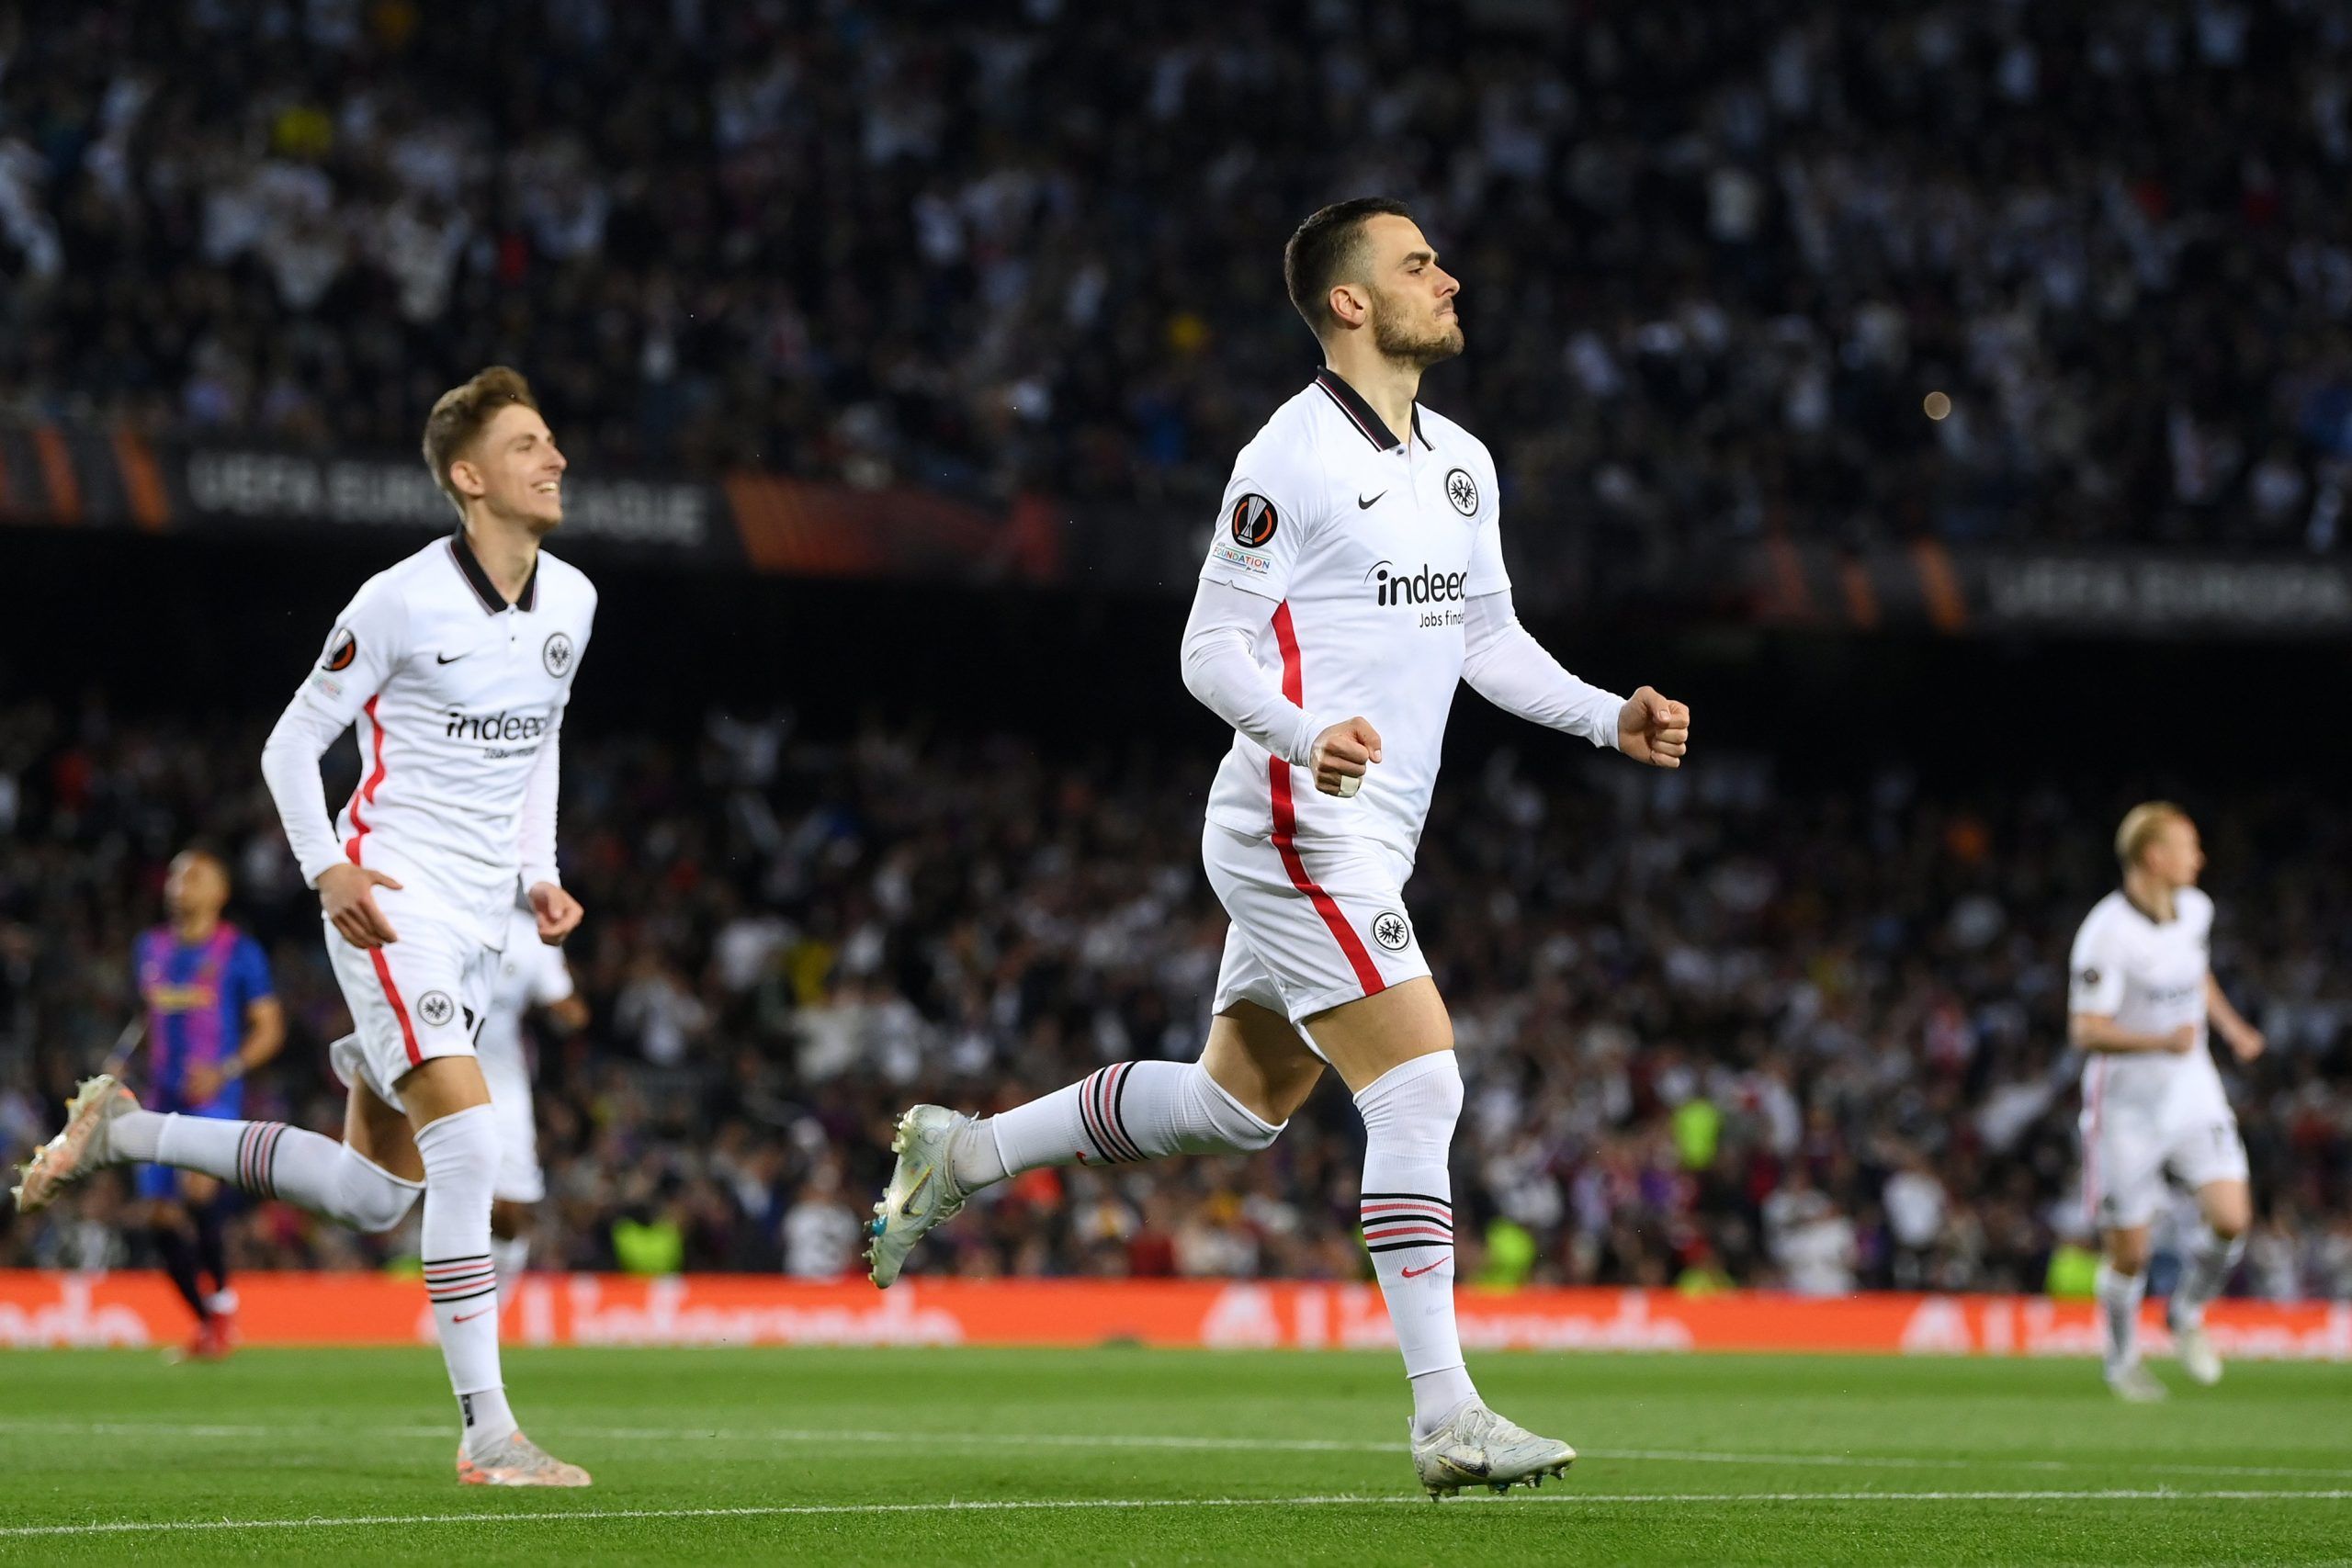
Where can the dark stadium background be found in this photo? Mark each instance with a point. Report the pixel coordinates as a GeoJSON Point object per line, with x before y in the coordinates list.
{"type": "Point", "coordinates": [1928, 676]}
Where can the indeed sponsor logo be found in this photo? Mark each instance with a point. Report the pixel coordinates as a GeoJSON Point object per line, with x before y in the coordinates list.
{"type": "Point", "coordinates": [500, 726]}
{"type": "Point", "coordinates": [1423, 587]}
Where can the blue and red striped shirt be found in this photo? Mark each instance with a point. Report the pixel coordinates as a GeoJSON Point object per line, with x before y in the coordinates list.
{"type": "Point", "coordinates": [196, 995]}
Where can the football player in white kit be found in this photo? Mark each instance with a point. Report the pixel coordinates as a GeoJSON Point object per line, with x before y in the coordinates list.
{"type": "Point", "coordinates": [1356, 578]}
{"type": "Point", "coordinates": [2141, 994]}
{"type": "Point", "coordinates": [456, 664]}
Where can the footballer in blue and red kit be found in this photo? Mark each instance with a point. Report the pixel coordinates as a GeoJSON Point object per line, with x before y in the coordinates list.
{"type": "Point", "coordinates": [198, 996]}
{"type": "Point", "coordinates": [212, 1016]}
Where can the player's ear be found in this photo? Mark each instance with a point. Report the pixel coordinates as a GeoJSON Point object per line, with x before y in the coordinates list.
{"type": "Point", "coordinates": [1348, 304]}
{"type": "Point", "coordinates": [467, 478]}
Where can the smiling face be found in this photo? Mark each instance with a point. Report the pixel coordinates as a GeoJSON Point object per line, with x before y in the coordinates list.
{"type": "Point", "coordinates": [1408, 300]}
{"type": "Point", "coordinates": [515, 470]}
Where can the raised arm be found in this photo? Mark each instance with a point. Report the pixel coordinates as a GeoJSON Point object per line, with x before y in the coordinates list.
{"type": "Point", "coordinates": [1504, 663]}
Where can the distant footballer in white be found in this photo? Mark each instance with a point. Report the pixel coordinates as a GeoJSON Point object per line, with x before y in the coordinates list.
{"type": "Point", "coordinates": [456, 664]}
{"type": "Point", "coordinates": [1354, 580]}
{"type": "Point", "coordinates": [2141, 995]}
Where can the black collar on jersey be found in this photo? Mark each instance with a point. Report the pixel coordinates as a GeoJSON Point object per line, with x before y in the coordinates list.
{"type": "Point", "coordinates": [1352, 403]}
{"type": "Point", "coordinates": [492, 601]}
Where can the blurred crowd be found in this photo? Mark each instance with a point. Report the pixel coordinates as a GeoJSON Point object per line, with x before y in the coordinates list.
{"type": "Point", "coordinates": [1724, 264]}
{"type": "Point", "coordinates": [1717, 1028]}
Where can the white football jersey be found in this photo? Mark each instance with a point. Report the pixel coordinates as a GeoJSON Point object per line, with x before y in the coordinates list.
{"type": "Point", "coordinates": [459, 698]}
{"type": "Point", "coordinates": [529, 973]}
{"type": "Point", "coordinates": [1370, 546]}
{"type": "Point", "coordinates": [2150, 977]}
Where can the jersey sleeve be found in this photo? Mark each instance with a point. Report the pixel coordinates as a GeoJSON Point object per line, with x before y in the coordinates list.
{"type": "Point", "coordinates": [250, 967]}
{"type": "Point", "coordinates": [369, 640]}
{"type": "Point", "coordinates": [2095, 969]}
{"type": "Point", "coordinates": [1263, 523]}
{"type": "Point", "coordinates": [1486, 572]}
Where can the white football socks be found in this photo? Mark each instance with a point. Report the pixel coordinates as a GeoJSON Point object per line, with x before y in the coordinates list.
{"type": "Point", "coordinates": [270, 1159]}
{"type": "Point", "coordinates": [2210, 1263]}
{"type": "Point", "coordinates": [2119, 1314]}
{"type": "Point", "coordinates": [1128, 1112]}
{"type": "Point", "coordinates": [460, 1164]}
{"type": "Point", "coordinates": [1408, 1216]}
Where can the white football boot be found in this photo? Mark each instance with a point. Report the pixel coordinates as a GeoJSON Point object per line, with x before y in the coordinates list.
{"type": "Point", "coordinates": [516, 1461]}
{"type": "Point", "coordinates": [2135, 1384]}
{"type": "Point", "coordinates": [80, 1147]}
{"type": "Point", "coordinates": [1478, 1448]}
{"type": "Point", "coordinates": [922, 1191]}
{"type": "Point", "coordinates": [2197, 1357]}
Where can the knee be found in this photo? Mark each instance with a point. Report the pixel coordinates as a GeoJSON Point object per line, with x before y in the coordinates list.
{"type": "Point", "coordinates": [1419, 1100]}
{"type": "Point", "coordinates": [2128, 1253]}
{"type": "Point", "coordinates": [460, 1150]}
{"type": "Point", "coordinates": [1229, 1124]}
{"type": "Point", "coordinates": [2228, 1225]}
{"type": "Point", "coordinates": [508, 1219]}
{"type": "Point", "coordinates": [368, 1198]}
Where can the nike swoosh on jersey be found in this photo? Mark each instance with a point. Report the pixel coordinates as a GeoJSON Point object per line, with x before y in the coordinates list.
{"type": "Point", "coordinates": [453, 657]}
{"type": "Point", "coordinates": [1361, 504]}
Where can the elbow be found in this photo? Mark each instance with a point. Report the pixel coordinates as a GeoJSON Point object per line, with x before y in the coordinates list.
{"type": "Point", "coordinates": [1192, 667]}
{"type": "Point", "coordinates": [2082, 1031]}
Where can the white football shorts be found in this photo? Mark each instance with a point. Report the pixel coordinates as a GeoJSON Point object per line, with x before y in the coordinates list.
{"type": "Point", "coordinates": [422, 997]}
{"type": "Point", "coordinates": [1314, 925]}
{"type": "Point", "coordinates": [2127, 1156]}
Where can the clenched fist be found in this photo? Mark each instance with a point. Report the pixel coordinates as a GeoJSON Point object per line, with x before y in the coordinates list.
{"type": "Point", "coordinates": [1652, 729]}
{"type": "Point", "coordinates": [1343, 753]}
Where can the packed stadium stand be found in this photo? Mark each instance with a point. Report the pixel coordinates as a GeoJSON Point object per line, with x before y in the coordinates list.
{"type": "Point", "coordinates": [1777, 1019]}
{"type": "Point", "coordinates": [1716, 256]}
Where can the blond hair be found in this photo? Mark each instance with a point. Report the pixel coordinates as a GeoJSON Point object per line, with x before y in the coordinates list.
{"type": "Point", "coordinates": [459, 415]}
{"type": "Point", "coordinates": [2141, 826]}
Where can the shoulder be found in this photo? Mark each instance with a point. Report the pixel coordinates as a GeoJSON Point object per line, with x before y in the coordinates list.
{"type": "Point", "coordinates": [1289, 445]}
{"type": "Point", "coordinates": [2105, 919]}
{"type": "Point", "coordinates": [1450, 440]}
{"type": "Point", "coordinates": [2194, 905]}
{"type": "Point", "coordinates": [565, 591]}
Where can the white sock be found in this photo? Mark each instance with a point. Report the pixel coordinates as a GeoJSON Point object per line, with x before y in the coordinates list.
{"type": "Point", "coordinates": [2210, 1263]}
{"type": "Point", "coordinates": [509, 1254]}
{"type": "Point", "coordinates": [1408, 1217]}
{"type": "Point", "coordinates": [2119, 1314]}
{"type": "Point", "coordinates": [460, 1164]}
{"type": "Point", "coordinates": [271, 1160]}
{"type": "Point", "coordinates": [1128, 1112]}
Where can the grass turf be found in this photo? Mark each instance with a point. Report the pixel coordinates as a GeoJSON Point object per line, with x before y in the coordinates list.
{"type": "Point", "coordinates": [850, 1456]}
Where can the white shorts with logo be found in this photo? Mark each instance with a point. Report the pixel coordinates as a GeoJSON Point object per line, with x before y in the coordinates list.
{"type": "Point", "coordinates": [520, 1180]}
{"type": "Point", "coordinates": [419, 998]}
{"type": "Point", "coordinates": [1314, 925]}
{"type": "Point", "coordinates": [2126, 1154]}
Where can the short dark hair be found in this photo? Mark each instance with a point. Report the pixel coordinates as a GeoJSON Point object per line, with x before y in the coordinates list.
{"type": "Point", "coordinates": [459, 415]}
{"type": "Point", "coordinates": [1325, 248]}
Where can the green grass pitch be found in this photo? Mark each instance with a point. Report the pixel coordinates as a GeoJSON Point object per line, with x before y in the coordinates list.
{"type": "Point", "coordinates": [1118, 1456]}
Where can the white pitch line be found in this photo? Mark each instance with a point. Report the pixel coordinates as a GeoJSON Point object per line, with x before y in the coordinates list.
{"type": "Point", "coordinates": [1034, 1505]}
{"type": "Point", "coordinates": [1171, 1441]}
